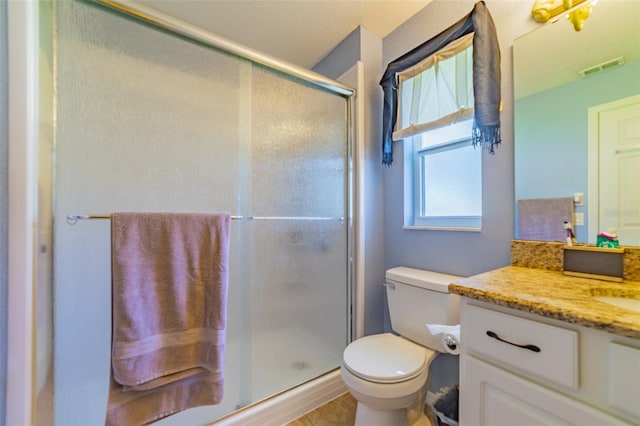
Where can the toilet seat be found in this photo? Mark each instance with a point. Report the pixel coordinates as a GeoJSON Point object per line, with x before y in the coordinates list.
{"type": "Point", "coordinates": [385, 358]}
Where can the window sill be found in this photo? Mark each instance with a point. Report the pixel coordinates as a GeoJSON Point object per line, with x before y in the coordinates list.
{"type": "Point", "coordinates": [441, 228]}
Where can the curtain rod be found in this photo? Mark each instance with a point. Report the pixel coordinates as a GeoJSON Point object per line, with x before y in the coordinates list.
{"type": "Point", "coordinates": [72, 219]}
{"type": "Point", "coordinates": [177, 26]}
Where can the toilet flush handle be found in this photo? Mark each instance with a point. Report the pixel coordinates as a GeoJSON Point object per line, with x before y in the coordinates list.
{"type": "Point", "coordinates": [390, 285]}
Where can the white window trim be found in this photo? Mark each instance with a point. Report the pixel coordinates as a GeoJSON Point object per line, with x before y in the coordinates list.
{"type": "Point", "coordinates": [411, 180]}
{"type": "Point", "coordinates": [440, 228]}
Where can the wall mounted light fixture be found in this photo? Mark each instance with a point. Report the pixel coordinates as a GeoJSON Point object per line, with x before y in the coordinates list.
{"type": "Point", "coordinates": [577, 11]}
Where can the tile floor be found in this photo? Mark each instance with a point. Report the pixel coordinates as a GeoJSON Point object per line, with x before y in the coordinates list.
{"type": "Point", "coordinates": [339, 412]}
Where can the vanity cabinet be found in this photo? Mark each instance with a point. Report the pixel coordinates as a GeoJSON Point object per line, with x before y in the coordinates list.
{"type": "Point", "coordinates": [502, 398]}
{"type": "Point", "coordinates": [518, 368]}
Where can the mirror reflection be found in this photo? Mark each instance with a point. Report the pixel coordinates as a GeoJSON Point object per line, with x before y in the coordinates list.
{"type": "Point", "coordinates": [577, 123]}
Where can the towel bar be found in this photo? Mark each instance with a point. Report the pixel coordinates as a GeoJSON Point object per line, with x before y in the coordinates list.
{"type": "Point", "coordinates": [72, 219]}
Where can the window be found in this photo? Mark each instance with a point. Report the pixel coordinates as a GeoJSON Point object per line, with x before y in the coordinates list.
{"type": "Point", "coordinates": [443, 171]}
{"type": "Point", "coordinates": [444, 174]}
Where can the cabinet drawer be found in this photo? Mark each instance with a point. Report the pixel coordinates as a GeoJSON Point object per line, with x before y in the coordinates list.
{"type": "Point", "coordinates": [535, 348]}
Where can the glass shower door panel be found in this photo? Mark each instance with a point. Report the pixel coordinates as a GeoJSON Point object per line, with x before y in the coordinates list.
{"type": "Point", "coordinates": [145, 122]}
{"type": "Point", "coordinates": [299, 149]}
{"type": "Point", "coordinates": [299, 285]}
{"type": "Point", "coordinates": [298, 302]}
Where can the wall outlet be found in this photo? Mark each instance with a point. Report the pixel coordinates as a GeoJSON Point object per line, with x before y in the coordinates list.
{"type": "Point", "coordinates": [579, 219]}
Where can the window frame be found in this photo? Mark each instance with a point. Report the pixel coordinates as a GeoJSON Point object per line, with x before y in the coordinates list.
{"type": "Point", "coordinates": [414, 193]}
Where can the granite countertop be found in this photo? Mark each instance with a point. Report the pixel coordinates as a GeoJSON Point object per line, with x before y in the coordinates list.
{"type": "Point", "coordinates": [552, 294]}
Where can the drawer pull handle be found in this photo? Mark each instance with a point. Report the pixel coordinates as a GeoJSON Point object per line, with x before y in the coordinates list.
{"type": "Point", "coordinates": [533, 348]}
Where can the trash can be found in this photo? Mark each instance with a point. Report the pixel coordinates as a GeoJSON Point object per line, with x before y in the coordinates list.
{"type": "Point", "coordinates": [443, 406]}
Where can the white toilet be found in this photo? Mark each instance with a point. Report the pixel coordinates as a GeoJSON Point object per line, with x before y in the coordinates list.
{"type": "Point", "coordinates": [386, 373]}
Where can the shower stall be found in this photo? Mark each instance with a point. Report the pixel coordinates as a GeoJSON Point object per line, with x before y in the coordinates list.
{"type": "Point", "coordinates": [149, 113]}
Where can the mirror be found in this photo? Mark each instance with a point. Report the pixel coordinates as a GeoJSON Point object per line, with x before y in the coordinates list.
{"type": "Point", "coordinates": [552, 102]}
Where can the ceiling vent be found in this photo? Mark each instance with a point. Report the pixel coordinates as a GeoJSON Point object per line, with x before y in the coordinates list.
{"type": "Point", "coordinates": [601, 67]}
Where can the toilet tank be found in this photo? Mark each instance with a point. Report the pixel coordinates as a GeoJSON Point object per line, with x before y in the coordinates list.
{"type": "Point", "coordinates": [416, 297]}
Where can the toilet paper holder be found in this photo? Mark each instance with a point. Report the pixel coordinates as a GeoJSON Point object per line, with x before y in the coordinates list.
{"type": "Point", "coordinates": [450, 342]}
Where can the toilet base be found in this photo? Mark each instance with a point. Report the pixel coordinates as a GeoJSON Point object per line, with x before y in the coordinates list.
{"type": "Point", "coordinates": [367, 416]}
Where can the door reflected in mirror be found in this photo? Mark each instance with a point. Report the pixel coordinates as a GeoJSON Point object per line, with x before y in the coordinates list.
{"type": "Point", "coordinates": [560, 75]}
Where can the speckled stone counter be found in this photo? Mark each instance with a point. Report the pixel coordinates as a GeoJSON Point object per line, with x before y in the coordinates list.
{"type": "Point", "coordinates": [548, 255]}
{"type": "Point", "coordinates": [554, 295]}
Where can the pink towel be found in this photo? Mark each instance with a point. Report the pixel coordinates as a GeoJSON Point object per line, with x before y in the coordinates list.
{"type": "Point", "coordinates": [169, 280]}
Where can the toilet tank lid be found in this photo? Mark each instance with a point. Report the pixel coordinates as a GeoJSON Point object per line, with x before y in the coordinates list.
{"type": "Point", "coordinates": [430, 280]}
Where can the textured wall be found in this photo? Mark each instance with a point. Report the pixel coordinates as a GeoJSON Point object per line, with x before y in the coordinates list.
{"type": "Point", "coordinates": [363, 45]}
{"type": "Point", "coordinates": [459, 253]}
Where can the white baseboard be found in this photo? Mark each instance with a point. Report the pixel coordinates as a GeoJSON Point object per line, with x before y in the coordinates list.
{"type": "Point", "coordinates": [290, 405]}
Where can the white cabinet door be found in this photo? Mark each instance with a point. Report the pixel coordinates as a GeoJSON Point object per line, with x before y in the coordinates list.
{"type": "Point", "coordinates": [490, 396]}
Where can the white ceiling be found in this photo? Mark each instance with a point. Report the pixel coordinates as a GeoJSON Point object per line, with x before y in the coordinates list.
{"type": "Point", "coordinates": [301, 32]}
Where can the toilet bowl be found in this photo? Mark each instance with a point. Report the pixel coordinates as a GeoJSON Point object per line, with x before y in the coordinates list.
{"type": "Point", "coordinates": [387, 375]}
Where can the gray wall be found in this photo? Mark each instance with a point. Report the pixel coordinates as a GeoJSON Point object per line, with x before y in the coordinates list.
{"type": "Point", "coordinates": [363, 45]}
{"type": "Point", "coordinates": [4, 202]}
{"type": "Point", "coordinates": [342, 57]}
{"type": "Point", "coordinates": [459, 253]}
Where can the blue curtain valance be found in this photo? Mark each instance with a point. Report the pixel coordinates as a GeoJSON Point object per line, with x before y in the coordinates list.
{"type": "Point", "coordinates": [486, 78]}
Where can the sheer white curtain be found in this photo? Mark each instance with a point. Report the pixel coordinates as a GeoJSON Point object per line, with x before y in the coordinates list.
{"type": "Point", "coordinates": [437, 91]}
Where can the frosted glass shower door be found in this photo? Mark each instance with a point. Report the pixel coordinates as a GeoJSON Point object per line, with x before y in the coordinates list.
{"type": "Point", "coordinates": [150, 122]}
{"type": "Point", "coordinates": [298, 258]}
